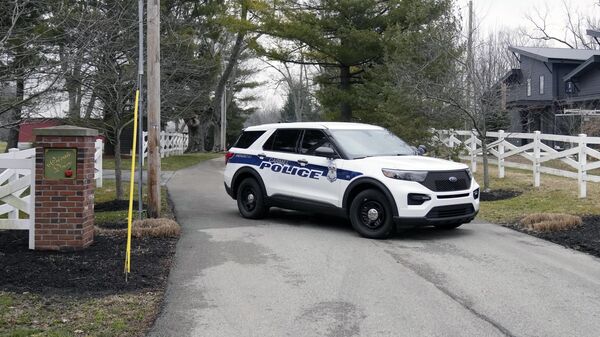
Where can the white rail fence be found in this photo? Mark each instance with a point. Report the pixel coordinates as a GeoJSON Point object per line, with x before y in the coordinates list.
{"type": "Point", "coordinates": [17, 188]}
{"type": "Point", "coordinates": [98, 162]}
{"type": "Point", "coordinates": [17, 191]}
{"type": "Point", "coordinates": [573, 151]}
{"type": "Point", "coordinates": [172, 144]}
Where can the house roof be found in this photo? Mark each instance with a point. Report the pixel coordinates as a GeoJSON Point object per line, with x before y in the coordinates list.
{"type": "Point", "coordinates": [555, 54]}
{"type": "Point", "coordinates": [513, 73]}
{"type": "Point", "coordinates": [592, 61]}
{"type": "Point", "coordinates": [593, 32]}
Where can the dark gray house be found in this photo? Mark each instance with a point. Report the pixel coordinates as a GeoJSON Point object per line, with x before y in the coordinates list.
{"type": "Point", "coordinates": [555, 90]}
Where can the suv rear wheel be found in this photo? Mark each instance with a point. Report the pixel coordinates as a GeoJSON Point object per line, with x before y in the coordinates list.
{"type": "Point", "coordinates": [371, 214]}
{"type": "Point", "coordinates": [251, 200]}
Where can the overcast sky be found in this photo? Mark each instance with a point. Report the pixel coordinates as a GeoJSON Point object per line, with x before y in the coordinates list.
{"type": "Point", "coordinates": [494, 15]}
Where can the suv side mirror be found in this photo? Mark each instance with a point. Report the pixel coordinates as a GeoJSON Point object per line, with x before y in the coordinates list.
{"type": "Point", "coordinates": [325, 151]}
{"type": "Point", "coordinates": [421, 150]}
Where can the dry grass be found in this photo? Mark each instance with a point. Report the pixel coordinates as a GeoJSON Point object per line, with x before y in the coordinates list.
{"type": "Point", "coordinates": [550, 222]}
{"type": "Point", "coordinates": [156, 228]}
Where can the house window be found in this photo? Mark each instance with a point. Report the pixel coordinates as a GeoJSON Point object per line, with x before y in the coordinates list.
{"type": "Point", "coordinates": [542, 85]}
{"type": "Point", "coordinates": [528, 87]}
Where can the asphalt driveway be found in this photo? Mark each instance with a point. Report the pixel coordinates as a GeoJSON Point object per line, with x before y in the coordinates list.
{"type": "Point", "coordinates": [296, 274]}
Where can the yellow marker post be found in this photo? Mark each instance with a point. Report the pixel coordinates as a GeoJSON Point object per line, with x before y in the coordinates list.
{"type": "Point", "coordinates": [131, 186]}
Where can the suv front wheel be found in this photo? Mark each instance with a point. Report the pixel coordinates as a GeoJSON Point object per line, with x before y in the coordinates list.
{"type": "Point", "coordinates": [371, 215]}
{"type": "Point", "coordinates": [251, 200]}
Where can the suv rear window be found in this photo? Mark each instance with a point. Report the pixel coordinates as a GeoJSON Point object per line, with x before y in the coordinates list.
{"type": "Point", "coordinates": [283, 140]}
{"type": "Point", "coordinates": [247, 138]}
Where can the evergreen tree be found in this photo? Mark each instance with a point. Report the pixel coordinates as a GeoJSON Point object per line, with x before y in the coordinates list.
{"type": "Point", "coordinates": [344, 37]}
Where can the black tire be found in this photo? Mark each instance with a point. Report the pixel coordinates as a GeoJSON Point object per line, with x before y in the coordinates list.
{"type": "Point", "coordinates": [448, 227]}
{"type": "Point", "coordinates": [251, 199]}
{"type": "Point", "coordinates": [372, 225]}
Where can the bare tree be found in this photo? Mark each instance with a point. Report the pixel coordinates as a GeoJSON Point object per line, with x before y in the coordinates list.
{"type": "Point", "coordinates": [573, 31]}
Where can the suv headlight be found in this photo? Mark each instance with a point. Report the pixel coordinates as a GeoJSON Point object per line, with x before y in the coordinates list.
{"type": "Point", "coordinates": [418, 176]}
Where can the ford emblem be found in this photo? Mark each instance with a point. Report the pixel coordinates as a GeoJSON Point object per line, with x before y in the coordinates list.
{"type": "Point", "coordinates": [453, 179]}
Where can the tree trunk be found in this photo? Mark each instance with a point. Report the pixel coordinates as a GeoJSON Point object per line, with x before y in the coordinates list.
{"type": "Point", "coordinates": [196, 135]}
{"type": "Point", "coordinates": [217, 138]}
{"type": "Point", "coordinates": [231, 63]}
{"type": "Point", "coordinates": [13, 133]}
{"type": "Point", "coordinates": [118, 177]}
{"type": "Point", "coordinates": [486, 166]}
{"type": "Point", "coordinates": [90, 106]}
{"type": "Point", "coordinates": [346, 109]}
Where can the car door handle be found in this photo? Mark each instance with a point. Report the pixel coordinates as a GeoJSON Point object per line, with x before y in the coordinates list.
{"type": "Point", "coordinates": [261, 156]}
{"type": "Point", "coordinates": [302, 162]}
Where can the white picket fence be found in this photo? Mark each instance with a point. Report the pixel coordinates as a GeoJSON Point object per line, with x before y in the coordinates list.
{"type": "Point", "coordinates": [172, 144]}
{"type": "Point", "coordinates": [571, 150]}
{"type": "Point", "coordinates": [17, 188]}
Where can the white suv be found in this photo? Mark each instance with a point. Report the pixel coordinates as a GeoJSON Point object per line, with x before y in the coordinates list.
{"type": "Point", "coordinates": [362, 172]}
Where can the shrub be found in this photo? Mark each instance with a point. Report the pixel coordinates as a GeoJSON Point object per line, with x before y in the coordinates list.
{"type": "Point", "coordinates": [156, 228]}
{"type": "Point", "coordinates": [550, 222]}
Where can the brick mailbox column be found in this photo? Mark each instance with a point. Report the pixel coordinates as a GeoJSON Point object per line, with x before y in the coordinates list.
{"type": "Point", "coordinates": [64, 187]}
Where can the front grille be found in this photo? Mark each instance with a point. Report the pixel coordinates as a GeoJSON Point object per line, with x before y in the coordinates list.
{"type": "Point", "coordinates": [451, 211]}
{"type": "Point", "coordinates": [443, 182]}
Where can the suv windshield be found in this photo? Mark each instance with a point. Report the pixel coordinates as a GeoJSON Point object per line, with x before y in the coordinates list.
{"type": "Point", "coordinates": [369, 143]}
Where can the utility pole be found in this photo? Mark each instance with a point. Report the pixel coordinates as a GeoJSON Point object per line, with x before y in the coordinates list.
{"type": "Point", "coordinates": [224, 120]}
{"type": "Point", "coordinates": [141, 105]}
{"type": "Point", "coordinates": [153, 108]}
{"type": "Point", "coordinates": [470, 63]}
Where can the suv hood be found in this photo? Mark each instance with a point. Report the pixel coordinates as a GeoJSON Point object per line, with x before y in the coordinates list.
{"type": "Point", "coordinates": [417, 163]}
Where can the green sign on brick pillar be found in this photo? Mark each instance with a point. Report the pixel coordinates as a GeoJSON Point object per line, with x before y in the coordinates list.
{"type": "Point", "coordinates": [60, 164]}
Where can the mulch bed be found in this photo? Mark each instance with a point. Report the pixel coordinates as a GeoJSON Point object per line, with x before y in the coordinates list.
{"type": "Point", "coordinates": [585, 238]}
{"type": "Point", "coordinates": [495, 195]}
{"type": "Point", "coordinates": [95, 270]}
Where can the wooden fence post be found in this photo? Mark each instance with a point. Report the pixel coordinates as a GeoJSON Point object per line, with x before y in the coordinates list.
{"type": "Point", "coordinates": [536, 158]}
{"type": "Point", "coordinates": [501, 154]}
{"type": "Point", "coordinates": [450, 140]}
{"type": "Point", "coordinates": [581, 172]}
{"type": "Point", "coordinates": [473, 151]}
{"type": "Point", "coordinates": [99, 146]}
{"type": "Point", "coordinates": [162, 144]}
{"type": "Point", "coordinates": [14, 214]}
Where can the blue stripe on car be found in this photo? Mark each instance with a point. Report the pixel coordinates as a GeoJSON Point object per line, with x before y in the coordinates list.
{"type": "Point", "coordinates": [254, 160]}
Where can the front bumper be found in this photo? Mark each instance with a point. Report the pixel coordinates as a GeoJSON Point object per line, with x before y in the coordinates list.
{"type": "Point", "coordinates": [442, 208]}
{"type": "Point", "coordinates": [404, 222]}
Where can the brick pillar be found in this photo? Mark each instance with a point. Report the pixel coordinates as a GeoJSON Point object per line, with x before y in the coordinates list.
{"type": "Point", "coordinates": [64, 195]}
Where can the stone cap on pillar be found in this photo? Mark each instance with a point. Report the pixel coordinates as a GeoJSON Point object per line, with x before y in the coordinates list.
{"type": "Point", "coordinates": [66, 131]}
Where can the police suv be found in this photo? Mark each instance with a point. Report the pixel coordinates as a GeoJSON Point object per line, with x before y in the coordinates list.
{"type": "Point", "coordinates": [359, 171]}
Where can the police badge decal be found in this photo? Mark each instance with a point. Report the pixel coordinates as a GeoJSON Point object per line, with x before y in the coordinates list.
{"type": "Point", "coordinates": [331, 171]}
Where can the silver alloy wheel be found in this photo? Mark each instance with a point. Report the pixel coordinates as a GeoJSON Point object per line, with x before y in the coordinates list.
{"type": "Point", "coordinates": [373, 214]}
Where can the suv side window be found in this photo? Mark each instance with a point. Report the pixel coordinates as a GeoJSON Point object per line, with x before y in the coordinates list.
{"type": "Point", "coordinates": [247, 138]}
{"type": "Point", "coordinates": [312, 140]}
{"type": "Point", "coordinates": [283, 140]}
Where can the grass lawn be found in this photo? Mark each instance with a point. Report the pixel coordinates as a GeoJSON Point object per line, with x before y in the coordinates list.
{"type": "Point", "coordinates": [556, 194]}
{"type": "Point", "coordinates": [172, 163]}
{"type": "Point", "coordinates": [27, 314]}
{"type": "Point", "coordinates": [2, 147]}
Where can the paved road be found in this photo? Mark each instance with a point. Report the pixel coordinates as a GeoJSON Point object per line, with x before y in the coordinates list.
{"type": "Point", "coordinates": [295, 274]}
